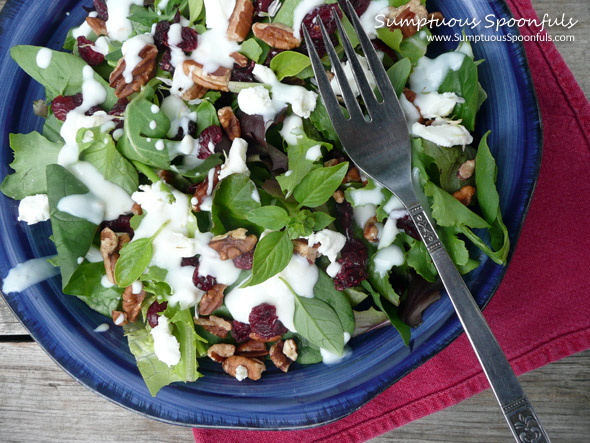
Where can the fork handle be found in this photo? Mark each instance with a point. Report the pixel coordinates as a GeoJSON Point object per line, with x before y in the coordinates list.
{"type": "Point", "coordinates": [517, 410]}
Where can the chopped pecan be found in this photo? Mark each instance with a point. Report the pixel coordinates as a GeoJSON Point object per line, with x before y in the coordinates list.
{"type": "Point", "coordinates": [217, 80]}
{"type": "Point", "coordinates": [240, 21]}
{"type": "Point", "coordinates": [254, 367]}
{"type": "Point", "coordinates": [229, 122]}
{"type": "Point", "coordinates": [136, 209]}
{"type": "Point", "coordinates": [142, 73]}
{"type": "Point", "coordinates": [255, 336]}
{"type": "Point", "coordinates": [132, 303]}
{"type": "Point", "coordinates": [119, 318]}
{"type": "Point", "coordinates": [465, 194]}
{"type": "Point", "coordinates": [290, 349]}
{"type": "Point", "coordinates": [407, 17]}
{"type": "Point", "coordinates": [233, 244]}
{"type": "Point", "coordinates": [214, 325]}
{"type": "Point", "coordinates": [276, 35]}
{"type": "Point", "coordinates": [466, 170]}
{"type": "Point", "coordinates": [278, 356]}
{"type": "Point", "coordinates": [240, 59]}
{"type": "Point", "coordinates": [371, 230]}
{"type": "Point", "coordinates": [301, 247]}
{"type": "Point", "coordinates": [252, 348]}
{"type": "Point", "coordinates": [110, 245]}
{"type": "Point", "coordinates": [194, 92]}
{"type": "Point", "coordinates": [353, 175]}
{"type": "Point", "coordinates": [98, 25]}
{"type": "Point", "coordinates": [338, 196]}
{"type": "Point", "coordinates": [220, 351]}
{"type": "Point", "coordinates": [212, 300]}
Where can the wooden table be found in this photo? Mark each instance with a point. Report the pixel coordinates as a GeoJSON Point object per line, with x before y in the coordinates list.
{"type": "Point", "coordinates": [39, 402]}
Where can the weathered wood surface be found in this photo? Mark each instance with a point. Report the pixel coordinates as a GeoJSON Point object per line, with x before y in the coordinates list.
{"type": "Point", "coordinates": [39, 402]}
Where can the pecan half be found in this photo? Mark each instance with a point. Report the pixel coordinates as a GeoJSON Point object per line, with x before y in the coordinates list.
{"type": "Point", "coordinates": [301, 247]}
{"type": "Point", "coordinates": [254, 367]}
{"type": "Point", "coordinates": [240, 59]}
{"type": "Point", "coordinates": [233, 244]}
{"type": "Point", "coordinates": [229, 122]}
{"type": "Point", "coordinates": [276, 35]}
{"type": "Point", "coordinates": [220, 351]}
{"type": "Point", "coordinates": [214, 325]}
{"type": "Point", "coordinates": [194, 92]}
{"type": "Point", "coordinates": [110, 245]}
{"type": "Point", "coordinates": [98, 25]}
{"type": "Point", "coordinates": [212, 300]}
{"type": "Point", "coordinates": [142, 73]}
{"type": "Point", "coordinates": [407, 17]}
{"type": "Point", "coordinates": [466, 170]}
{"type": "Point", "coordinates": [217, 80]}
{"type": "Point", "coordinates": [256, 337]}
{"type": "Point", "coordinates": [132, 303]}
{"type": "Point", "coordinates": [371, 230]}
{"type": "Point", "coordinates": [119, 318]}
{"type": "Point", "coordinates": [278, 356]}
{"type": "Point", "coordinates": [465, 194]}
{"type": "Point", "coordinates": [353, 175]}
{"type": "Point", "coordinates": [338, 196]}
{"type": "Point", "coordinates": [240, 21]}
{"type": "Point", "coordinates": [252, 348]}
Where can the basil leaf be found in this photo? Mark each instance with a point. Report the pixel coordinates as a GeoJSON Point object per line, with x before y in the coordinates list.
{"type": "Point", "coordinates": [135, 257]}
{"type": "Point", "coordinates": [72, 235]}
{"type": "Point", "coordinates": [321, 220]}
{"type": "Point", "coordinates": [206, 116]}
{"type": "Point", "coordinates": [399, 73]}
{"type": "Point", "coordinates": [103, 155]}
{"type": "Point", "coordinates": [324, 290]}
{"type": "Point", "coordinates": [32, 154]}
{"type": "Point", "coordinates": [269, 217]}
{"type": "Point", "coordinates": [319, 185]}
{"type": "Point", "coordinates": [272, 254]}
{"type": "Point", "coordinates": [86, 284]}
{"type": "Point", "coordinates": [299, 166]}
{"type": "Point", "coordinates": [251, 49]}
{"type": "Point", "coordinates": [317, 322]}
{"type": "Point", "coordinates": [63, 76]}
{"type": "Point", "coordinates": [448, 211]}
{"type": "Point", "coordinates": [232, 200]}
{"type": "Point", "coordinates": [289, 64]}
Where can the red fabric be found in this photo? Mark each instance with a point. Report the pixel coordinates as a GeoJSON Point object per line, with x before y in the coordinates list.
{"type": "Point", "coordinates": [541, 312]}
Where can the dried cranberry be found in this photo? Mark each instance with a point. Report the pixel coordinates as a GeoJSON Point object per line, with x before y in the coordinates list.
{"type": "Point", "coordinates": [240, 331]}
{"type": "Point", "coordinates": [323, 13]}
{"type": "Point", "coordinates": [407, 224]}
{"type": "Point", "coordinates": [272, 54]}
{"type": "Point", "coordinates": [189, 39]}
{"type": "Point", "coordinates": [190, 261]}
{"type": "Point", "coordinates": [208, 139]}
{"type": "Point", "coordinates": [161, 35]}
{"type": "Point", "coordinates": [93, 110]}
{"type": "Point", "coordinates": [380, 46]}
{"type": "Point", "coordinates": [62, 104]}
{"type": "Point", "coordinates": [153, 311]}
{"type": "Point", "coordinates": [120, 224]}
{"type": "Point", "coordinates": [118, 111]}
{"type": "Point", "coordinates": [204, 283]}
{"type": "Point", "coordinates": [261, 6]}
{"type": "Point", "coordinates": [344, 218]}
{"type": "Point", "coordinates": [166, 61]}
{"type": "Point", "coordinates": [101, 9]}
{"type": "Point", "coordinates": [243, 74]}
{"type": "Point", "coordinates": [88, 54]}
{"type": "Point", "coordinates": [264, 321]}
{"type": "Point", "coordinates": [354, 258]}
{"type": "Point", "coordinates": [176, 18]}
{"type": "Point", "coordinates": [192, 130]}
{"type": "Point", "coordinates": [244, 261]}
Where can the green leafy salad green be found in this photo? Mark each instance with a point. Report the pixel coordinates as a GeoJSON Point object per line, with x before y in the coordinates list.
{"type": "Point", "coordinates": [199, 196]}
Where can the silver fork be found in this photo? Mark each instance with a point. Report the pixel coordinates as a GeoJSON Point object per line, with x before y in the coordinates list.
{"type": "Point", "coordinates": [388, 161]}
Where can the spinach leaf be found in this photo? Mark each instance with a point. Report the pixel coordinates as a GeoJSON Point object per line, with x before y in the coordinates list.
{"type": "Point", "coordinates": [325, 291]}
{"type": "Point", "coordinates": [291, 64]}
{"type": "Point", "coordinates": [102, 153]}
{"type": "Point", "coordinates": [251, 49]}
{"type": "Point", "coordinates": [285, 14]}
{"type": "Point", "coordinates": [63, 76]}
{"type": "Point", "coordinates": [448, 211]}
{"type": "Point", "coordinates": [232, 200]}
{"type": "Point", "coordinates": [269, 217]}
{"type": "Point", "coordinates": [206, 116]}
{"type": "Point", "coordinates": [86, 284]}
{"type": "Point", "coordinates": [319, 185]}
{"type": "Point", "coordinates": [464, 83]}
{"type": "Point", "coordinates": [399, 73]}
{"type": "Point", "coordinates": [32, 154]}
{"type": "Point", "coordinates": [272, 254]}
{"type": "Point", "coordinates": [72, 235]}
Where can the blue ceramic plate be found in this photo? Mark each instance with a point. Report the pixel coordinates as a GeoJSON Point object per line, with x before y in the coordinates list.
{"type": "Point", "coordinates": [307, 395]}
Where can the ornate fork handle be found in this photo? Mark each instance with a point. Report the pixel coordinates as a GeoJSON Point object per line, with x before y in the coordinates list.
{"type": "Point", "coordinates": [516, 408]}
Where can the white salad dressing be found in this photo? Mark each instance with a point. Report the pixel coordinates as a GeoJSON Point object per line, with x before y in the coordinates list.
{"type": "Point", "coordinates": [292, 129]}
{"type": "Point", "coordinates": [364, 196]}
{"type": "Point", "coordinates": [363, 213]}
{"type": "Point", "coordinates": [93, 255]}
{"type": "Point", "coordinates": [314, 153]}
{"type": "Point", "coordinates": [27, 274]}
{"type": "Point", "coordinates": [410, 112]}
{"type": "Point", "coordinates": [34, 209]}
{"type": "Point", "coordinates": [103, 327]}
{"type": "Point", "coordinates": [118, 25]}
{"type": "Point", "coordinates": [105, 282]}
{"type": "Point", "coordinates": [433, 104]}
{"type": "Point", "coordinates": [331, 243]}
{"type": "Point", "coordinates": [429, 73]}
{"type": "Point", "coordinates": [301, 10]}
{"type": "Point", "coordinates": [214, 48]}
{"type": "Point", "coordinates": [101, 45]}
{"type": "Point", "coordinates": [43, 58]}
{"type": "Point", "coordinates": [387, 258]}
{"type": "Point", "coordinates": [444, 132]}
{"type": "Point", "coordinates": [131, 49]}
{"type": "Point", "coordinates": [347, 68]}
{"type": "Point", "coordinates": [84, 29]}
{"type": "Point", "coordinates": [368, 19]}
{"type": "Point", "coordinates": [178, 113]}
{"type": "Point", "coordinates": [299, 274]}
{"type": "Point", "coordinates": [329, 358]}
{"type": "Point", "coordinates": [166, 346]}
{"type": "Point", "coordinates": [236, 160]}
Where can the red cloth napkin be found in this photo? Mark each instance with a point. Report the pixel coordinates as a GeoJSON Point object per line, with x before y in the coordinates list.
{"type": "Point", "coordinates": [541, 312]}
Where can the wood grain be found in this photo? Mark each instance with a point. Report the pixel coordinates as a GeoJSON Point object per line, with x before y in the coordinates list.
{"type": "Point", "coordinates": [39, 402]}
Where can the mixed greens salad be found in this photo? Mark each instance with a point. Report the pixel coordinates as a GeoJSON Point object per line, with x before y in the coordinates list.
{"type": "Point", "coordinates": [199, 196]}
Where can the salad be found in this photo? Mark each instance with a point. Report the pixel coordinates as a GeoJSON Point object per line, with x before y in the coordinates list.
{"type": "Point", "coordinates": [199, 196]}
